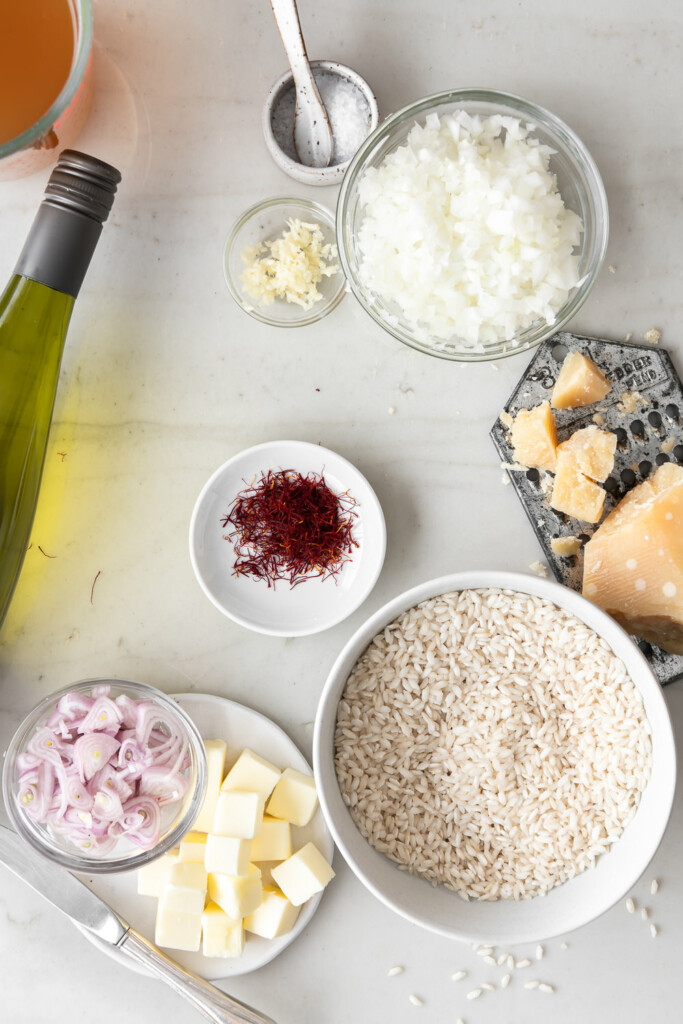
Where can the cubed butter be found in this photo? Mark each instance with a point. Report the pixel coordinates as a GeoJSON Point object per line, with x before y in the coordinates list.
{"type": "Point", "coordinates": [251, 773]}
{"type": "Point", "coordinates": [633, 564]}
{"type": "Point", "coordinates": [579, 383]}
{"type": "Point", "coordinates": [176, 930]}
{"type": "Point", "coordinates": [186, 888]}
{"type": "Point", "coordinates": [592, 450]}
{"type": "Point", "coordinates": [274, 841]}
{"type": "Point", "coordinates": [534, 437]}
{"type": "Point", "coordinates": [237, 895]}
{"type": "Point", "coordinates": [276, 915]}
{"type": "Point", "coordinates": [153, 877]}
{"type": "Point", "coordinates": [221, 935]}
{"type": "Point", "coordinates": [192, 847]}
{"type": "Point", "coordinates": [215, 756]}
{"type": "Point", "coordinates": [227, 855]}
{"type": "Point", "coordinates": [574, 494]}
{"type": "Point", "coordinates": [294, 798]}
{"type": "Point", "coordinates": [303, 874]}
{"type": "Point", "coordinates": [238, 814]}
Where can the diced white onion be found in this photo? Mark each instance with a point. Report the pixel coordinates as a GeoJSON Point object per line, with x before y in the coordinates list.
{"type": "Point", "coordinates": [464, 229]}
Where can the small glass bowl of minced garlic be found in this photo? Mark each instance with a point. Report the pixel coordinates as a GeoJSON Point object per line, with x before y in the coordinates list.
{"type": "Point", "coordinates": [281, 263]}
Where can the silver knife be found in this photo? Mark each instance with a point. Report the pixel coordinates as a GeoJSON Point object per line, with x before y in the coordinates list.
{"type": "Point", "coordinates": [64, 891]}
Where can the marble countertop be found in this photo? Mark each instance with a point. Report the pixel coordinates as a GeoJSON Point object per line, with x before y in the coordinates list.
{"type": "Point", "coordinates": [164, 378]}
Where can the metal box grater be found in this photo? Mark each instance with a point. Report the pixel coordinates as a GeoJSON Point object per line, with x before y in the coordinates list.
{"type": "Point", "coordinates": [648, 436]}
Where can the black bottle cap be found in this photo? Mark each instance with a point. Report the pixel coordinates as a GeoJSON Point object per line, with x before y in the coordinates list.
{"type": "Point", "coordinates": [83, 183]}
{"type": "Point", "coordinates": [62, 239]}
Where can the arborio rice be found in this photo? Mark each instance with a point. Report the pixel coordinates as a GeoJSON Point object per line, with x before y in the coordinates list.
{"type": "Point", "coordinates": [491, 741]}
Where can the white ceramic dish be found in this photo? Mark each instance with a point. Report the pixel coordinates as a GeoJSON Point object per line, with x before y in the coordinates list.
{"type": "Point", "coordinates": [239, 726]}
{"type": "Point", "coordinates": [567, 906]}
{"type": "Point", "coordinates": [280, 611]}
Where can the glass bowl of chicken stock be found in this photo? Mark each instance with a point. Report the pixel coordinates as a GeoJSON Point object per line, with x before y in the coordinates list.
{"type": "Point", "coordinates": [578, 182]}
{"type": "Point", "coordinates": [159, 757]}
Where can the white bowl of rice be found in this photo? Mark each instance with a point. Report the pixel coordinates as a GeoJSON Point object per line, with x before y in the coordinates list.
{"type": "Point", "coordinates": [494, 757]}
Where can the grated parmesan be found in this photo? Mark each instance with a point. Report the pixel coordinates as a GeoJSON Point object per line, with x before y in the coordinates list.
{"type": "Point", "coordinates": [289, 267]}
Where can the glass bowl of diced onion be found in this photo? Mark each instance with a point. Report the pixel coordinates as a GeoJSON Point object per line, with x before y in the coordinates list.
{"type": "Point", "coordinates": [482, 264]}
{"type": "Point", "coordinates": [105, 775]}
{"type": "Point", "coordinates": [281, 263]}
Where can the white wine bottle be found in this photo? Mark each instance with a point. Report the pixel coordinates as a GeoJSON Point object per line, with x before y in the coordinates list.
{"type": "Point", "coordinates": [35, 310]}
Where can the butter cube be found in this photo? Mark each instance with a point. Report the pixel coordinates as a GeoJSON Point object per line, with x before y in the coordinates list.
{"type": "Point", "coordinates": [294, 798]}
{"type": "Point", "coordinates": [153, 877]}
{"type": "Point", "coordinates": [192, 847]}
{"type": "Point", "coordinates": [574, 494]}
{"type": "Point", "coordinates": [177, 930]}
{"type": "Point", "coordinates": [251, 773]}
{"type": "Point", "coordinates": [592, 450]}
{"type": "Point", "coordinates": [303, 874]}
{"type": "Point", "coordinates": [276, 915]}
{"type": "Point", "coordinates": [221, 935]}
{"type": "Point", "coordinates": [274, 841]}
{"type": "Point", "coordinates": [227, 855]}
{"type": "Point", "coordinates": [238, 814]}
{"type": "Point", "coordinates": [534, 437]}
{"type": "Point", "coordinates": [215, 755]}
{"type": "Point", "coordinates": [238, 896]}
{"type": "Point", "coordinates": [186, 888]}
{"type": "Point", "coordinates": [579, 383]}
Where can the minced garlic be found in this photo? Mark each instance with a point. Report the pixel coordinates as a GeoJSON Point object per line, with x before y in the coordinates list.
{"type": "Point", "coordinates": [289, 267]}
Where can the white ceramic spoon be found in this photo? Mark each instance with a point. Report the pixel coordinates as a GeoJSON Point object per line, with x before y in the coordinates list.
{"type": "Point", "coordinates": [313, 140]}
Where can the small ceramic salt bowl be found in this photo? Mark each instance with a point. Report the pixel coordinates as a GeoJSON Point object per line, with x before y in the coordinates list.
{"type": "Point", "coordinates": [352, 110]}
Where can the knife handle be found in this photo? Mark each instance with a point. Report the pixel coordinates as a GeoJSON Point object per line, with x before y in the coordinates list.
{"type": "Point", "coordinates": [207, 999]}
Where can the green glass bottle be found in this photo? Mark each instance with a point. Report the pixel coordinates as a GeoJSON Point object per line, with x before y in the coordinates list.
{"type": "Point", "coordinates": [35, 310]}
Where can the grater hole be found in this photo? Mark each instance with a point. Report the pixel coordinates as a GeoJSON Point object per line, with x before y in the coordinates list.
{"type": "Point", "coordinates": [533, 475]}
{"type": "Point", "coordinates": [655, 420]}
{"type": "Point", "coordinates": [662, 458]}
{"type": "Point", "coordinates": [638, 428]}
{"type": "Point", "coordinates": [559, 352]}
{"type": "Point", "coordinates": [645, 647]}
{"type": "Point", "coordinates": [628, 477]}
{"type": "Point", "coordinates": [645, 468]}
{"type": "Point", "coordinates": [611, 486]}
{"type": "Point", "coordinates": [622, 437]}
{"type": "Point", "coordinates": [672, 412]}
{"type": "Point", "coordinates": [678, 452]}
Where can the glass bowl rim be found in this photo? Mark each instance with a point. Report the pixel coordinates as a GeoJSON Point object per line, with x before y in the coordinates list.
{"type": "Point", "coordinates": [82, 52]}
{"type": "Point", "coordinates": [579, 154]}
{"type": "Point", "coordinates": [308, 316]}
{"type": "Point", "coordinates": [109, 864]}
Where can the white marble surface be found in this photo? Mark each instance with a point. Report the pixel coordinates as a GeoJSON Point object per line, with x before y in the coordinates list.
{"type": "Point", "coordinates": [164, 378]}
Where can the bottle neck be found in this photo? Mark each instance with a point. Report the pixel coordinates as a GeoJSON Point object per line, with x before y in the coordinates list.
{"type": "Point", "coordinates": [59, 248]}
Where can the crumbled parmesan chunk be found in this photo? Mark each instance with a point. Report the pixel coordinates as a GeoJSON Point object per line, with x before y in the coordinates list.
{"type": "Point", "coordinates": [289, 267]}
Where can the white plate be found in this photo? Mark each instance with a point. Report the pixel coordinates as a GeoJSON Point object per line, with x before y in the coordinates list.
{"type": "Point", "coordinates": [218, 718]}
{"type": "Point", "coordinates": [280, 611]}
